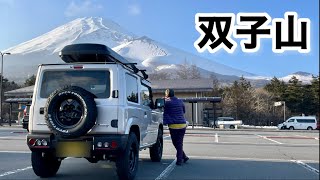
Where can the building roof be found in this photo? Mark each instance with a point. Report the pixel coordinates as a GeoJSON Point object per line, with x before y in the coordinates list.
{"type": "Point", "coordinates": [182, 85]}
{"type": "Point", "coordinates": [202, 99]}
{"type": "Point", "coordinates": [26, 91]}
{"type": "Point", "coordinates": [179, 85]}
{"type": "Point", "coordinates": [18, 100]}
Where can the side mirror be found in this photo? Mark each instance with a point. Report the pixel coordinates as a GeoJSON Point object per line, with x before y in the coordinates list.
{"type": "Point", "coordinates": [159, 103]}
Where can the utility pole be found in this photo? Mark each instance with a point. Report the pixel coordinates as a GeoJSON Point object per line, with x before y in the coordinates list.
{"type": "Point", "coordinates": [284, 111]}
{"type": "Point", "coordinates": [1, 85]}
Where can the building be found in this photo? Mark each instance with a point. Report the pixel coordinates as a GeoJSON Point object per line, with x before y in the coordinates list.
{"type": "Point", "coordinates": [184, 88]}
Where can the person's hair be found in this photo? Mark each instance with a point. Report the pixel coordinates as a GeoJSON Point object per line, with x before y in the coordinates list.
{"type": "Point", "coordinates": [169, 93]}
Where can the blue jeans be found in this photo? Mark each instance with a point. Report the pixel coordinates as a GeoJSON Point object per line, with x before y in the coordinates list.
{"type": "Point", "coordinates": [177, 140]}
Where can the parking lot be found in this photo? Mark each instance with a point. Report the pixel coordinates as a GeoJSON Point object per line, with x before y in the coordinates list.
{"type": "Point", "coordinates": [214, 154]}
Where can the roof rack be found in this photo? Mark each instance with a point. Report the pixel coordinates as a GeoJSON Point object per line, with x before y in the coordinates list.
{"type": "Point", "coordinates": [87, 52]}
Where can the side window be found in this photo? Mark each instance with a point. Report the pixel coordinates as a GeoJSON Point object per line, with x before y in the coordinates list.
{"type": "Point", "coordinates": [291, 120]}
{"type": "Point", "coordinates": [145, 95]}
{"type": "Point", "coordinates": [131, 88]}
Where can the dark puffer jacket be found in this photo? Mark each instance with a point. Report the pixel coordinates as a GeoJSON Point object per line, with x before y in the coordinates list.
{"type": "Point", "coordinates": [173, 111]}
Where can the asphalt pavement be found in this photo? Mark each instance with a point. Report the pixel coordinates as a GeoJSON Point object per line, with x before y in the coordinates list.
{"type": "Point", "coordinates": [214, 154]}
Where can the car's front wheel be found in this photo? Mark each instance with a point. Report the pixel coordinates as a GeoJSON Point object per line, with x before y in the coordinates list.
{"type": "Point", "coordinates": [157, 148]}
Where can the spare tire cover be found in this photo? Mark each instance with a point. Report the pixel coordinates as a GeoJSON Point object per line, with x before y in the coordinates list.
{"type": "Point", "coordinates": [70, 111]}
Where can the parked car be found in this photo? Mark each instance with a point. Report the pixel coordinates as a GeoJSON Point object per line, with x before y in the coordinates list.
{"type": "Point", "coordinates": [299, 122]}
{"type": "Point", "coordinates": [97, 106]}
{"type": "Point", "coordinates": [227, 122]}
{"type": "Point", "coordinates": [25, 118]}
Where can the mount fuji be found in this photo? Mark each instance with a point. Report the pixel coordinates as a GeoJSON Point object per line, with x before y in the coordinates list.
{"type": "Point", "coordinates": [146, 52]}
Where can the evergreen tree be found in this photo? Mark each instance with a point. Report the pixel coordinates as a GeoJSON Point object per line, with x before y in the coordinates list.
{"type": "Point", "coordinates": [277, 88]}
{"type": "Point", "coordinates": [30, 81]}
{"type": "Point", "coordinates": [294, 96]}
{"type": "Point", "coordinates": [238, 100]}
{"type": "Point", "coordinates": [315, 96]}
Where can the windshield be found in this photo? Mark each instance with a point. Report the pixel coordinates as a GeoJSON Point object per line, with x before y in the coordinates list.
{"type": "Point", "coordinates": [97, 82]}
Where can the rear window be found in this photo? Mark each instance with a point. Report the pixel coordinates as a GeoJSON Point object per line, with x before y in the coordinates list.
{"type": "Point", "coordinates": [97, 82]}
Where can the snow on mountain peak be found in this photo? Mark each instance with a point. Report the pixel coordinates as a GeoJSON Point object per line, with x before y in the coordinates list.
{"type": "Point", "coordinates": [148, 53]}
{"type": "Point", "coordinates": [81, 30]}
{"type": "Point", "coordinates": [304, 77]}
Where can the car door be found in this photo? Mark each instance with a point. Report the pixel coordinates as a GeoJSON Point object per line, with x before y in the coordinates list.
{"type": "Point", "coordinates": [146, 103]}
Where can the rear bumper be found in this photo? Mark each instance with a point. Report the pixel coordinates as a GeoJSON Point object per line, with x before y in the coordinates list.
{"type": "Point", "coordinates": [85, 146]}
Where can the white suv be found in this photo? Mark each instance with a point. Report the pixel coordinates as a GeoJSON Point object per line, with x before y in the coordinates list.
{"type": "Point", "coordinates": [97, 106]}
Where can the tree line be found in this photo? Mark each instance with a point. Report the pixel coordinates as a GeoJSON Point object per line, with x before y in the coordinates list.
{"type": "Point", "coordinates": [12, 85]}
{"type": "Point", "coordinates": [256, 106]}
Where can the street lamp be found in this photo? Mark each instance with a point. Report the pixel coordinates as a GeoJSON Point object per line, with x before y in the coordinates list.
{"type": "Point", "coordinates": [2, 54]}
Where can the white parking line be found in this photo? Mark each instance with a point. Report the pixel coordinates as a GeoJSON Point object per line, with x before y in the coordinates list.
{"type": "Point", "coordinates": [146, 155]}
{"type": "Point", "coordinates": [167, 171]}
{"type": "Point", "coordinates": [306, 166]}
{"type": "Point", "coordinates": [269, 139]}
{"type": "Point", "coordinates": [18, 152]}
{"type": "Point", "coordinates": [15, 171]}
{"type": "Point", "coordinates": [166, 137]}
{"type": "Point", "coordinates": [216, 138]}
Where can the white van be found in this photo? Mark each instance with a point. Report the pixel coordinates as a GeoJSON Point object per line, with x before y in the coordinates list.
{"type": "Point", "coordinates": [299, 122]}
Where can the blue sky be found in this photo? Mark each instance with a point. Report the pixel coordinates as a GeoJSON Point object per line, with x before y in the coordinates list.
{"type": "Point", "coordinates": [167, 21]}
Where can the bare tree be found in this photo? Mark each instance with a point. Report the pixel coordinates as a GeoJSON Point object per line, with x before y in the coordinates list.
{"type": "Point", "coordinates": [187, 71]}
{"type": "Point", "coordinates": [158, 75]}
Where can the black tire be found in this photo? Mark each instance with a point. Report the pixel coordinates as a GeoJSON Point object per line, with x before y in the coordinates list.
{"type": "Point", "coordinates": [310, 128]}
{"type": "Point", "coordinates": [70, 111]}
{"type": "Point", "coordinates": [291, 128]}
{"type": "Point", "coordinates": [157, 149]}
{"type": "Point", "coordinates": [127, 162]}
{"type": "Point", "coordinates": [45, 166]}
{"type": "Point", "coordinates": [231, 127]}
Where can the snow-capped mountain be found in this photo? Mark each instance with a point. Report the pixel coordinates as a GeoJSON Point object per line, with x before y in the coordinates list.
{"type": "Point", "coordinates": [304, 77]}
{"type": "Point", "coordinates": [148, 53]}
{"type": "Point", "coordinates": [81, 30]}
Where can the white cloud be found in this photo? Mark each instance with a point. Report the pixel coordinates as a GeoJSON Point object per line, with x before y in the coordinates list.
{"type": "Point", "coordinates": [83, 8]}
{"type": "Point", "coordinates": [134, 9]}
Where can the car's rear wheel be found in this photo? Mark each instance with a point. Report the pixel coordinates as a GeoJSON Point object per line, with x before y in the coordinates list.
{"type": "Point", "coordinates": [127, 162]}
{"type": "Point", "coordinates": [309, 128]}
{"type": "Point", "coordinates": [44, 164]}
{"type": "Point", "coordinates": [231, 126]}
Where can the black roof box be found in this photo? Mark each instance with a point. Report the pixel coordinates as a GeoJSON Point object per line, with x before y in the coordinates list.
{"type": "Point", "coordinates": [75, 53]}
{"type": "Point", "coordinates": [90, 53]}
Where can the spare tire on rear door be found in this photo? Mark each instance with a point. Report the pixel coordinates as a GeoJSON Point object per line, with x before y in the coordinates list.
{"type": "Point", "coordinates": [71, 111]}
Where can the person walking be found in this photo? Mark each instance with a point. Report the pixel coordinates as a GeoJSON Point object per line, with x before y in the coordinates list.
{"type": "Point", "coordinates": [173, 116]}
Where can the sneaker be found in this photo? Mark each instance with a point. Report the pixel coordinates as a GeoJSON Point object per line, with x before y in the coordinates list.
{"type": "Point", "coordinates": [185, 159]}
{"type": "Point", "coordinates": [179, 163]}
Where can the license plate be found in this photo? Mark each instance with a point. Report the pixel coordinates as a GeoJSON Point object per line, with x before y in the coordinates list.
{"type": "Point", "coordinates": [73, 149]}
